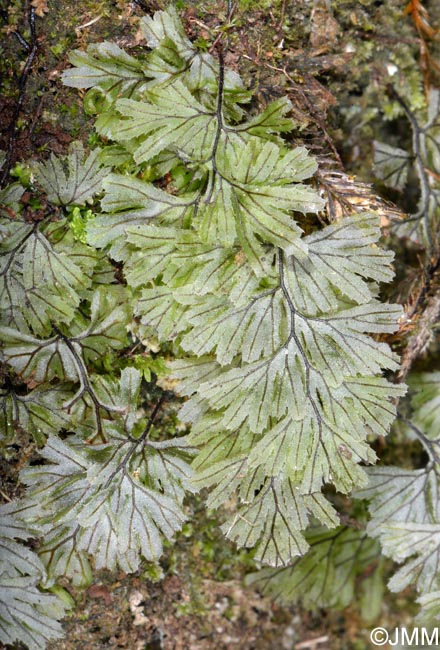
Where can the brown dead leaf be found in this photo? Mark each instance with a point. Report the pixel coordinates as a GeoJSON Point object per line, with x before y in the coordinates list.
{"type": "Point", "coordinates": [325, 29]}
{"type": "Point", "coordinates": [100, 591]}
{"type": "Point", "coordinates": [40, 7]}
{"type": "Point", "coordinates": [345, 195]}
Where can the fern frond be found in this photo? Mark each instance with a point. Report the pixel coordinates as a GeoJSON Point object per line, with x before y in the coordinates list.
{"type": "Point", "coordinates": [282, 322]}
{"type": "Point", "coordinates": [330, 575]}
{"type": "Point", "coordinates": [404, 503]}
{"type": "Point", "coordinates": [26, 613]}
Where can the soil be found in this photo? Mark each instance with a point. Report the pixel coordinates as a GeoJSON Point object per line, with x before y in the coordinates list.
{"type": "Point", "coordinates": [128, 612]}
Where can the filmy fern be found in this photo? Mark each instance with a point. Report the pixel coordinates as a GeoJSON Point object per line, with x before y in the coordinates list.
{"type": "Point", "coordinates": [282, 373]}
{"type": "Point", "coordinates": [272, 322]}
{"type": "Point", "coordinates": [404, 504]}
{"type": "Point", "coordinates": [392, 165]}
{"type": "Point", "coordinates": [26, 613]}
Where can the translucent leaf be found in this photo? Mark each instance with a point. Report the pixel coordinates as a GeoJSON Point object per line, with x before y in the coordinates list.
{"type": "Point", "coordinates": [260, 197]}
{"type": "Point", "coordinates": [425, 388]}
{"type": "Point", "coordinates": [139, 515]}
{"type": "Point", "coordinates": [272, 521]}
{"type": "Point", "coordinates": [297, 393]}
{"type": "Point", "coordinates": [12, 526]}
{"type": "Point", "coordinates": [181, 258]}
{"type": "Point", "coordinates": [108, 66]}
{"type": "Point", "coordinates": [166, 61]}
{"type": "Point", "coordinates": [109, 315]}
{"type": "Point", "coordinates": [44, 269]}
{"type": "Point", "coordinates": [102, 402]}
{"type": "Point", "coordinates": [62, 555]}
{"type": "Point", "coordinates": [165, 467]}
{"type": "Point", "coordinates": [273, 120]}
{"type": "Point", "coordinates": [40, 360]}
{"type": "Point", "coordinates": [216, 216]}
{"type": "Point", "coordinates": [73, 179]}
{"type": "Point", "coordinates": [433, 108]}
{"type": "Point", "coordinates": [421, 542]}
{"type": "Point", "coordinates": [131, 201]}
{"type": "Point", "coordinates": [259, 328]}
{"type": "Point", "coordinates": [166, 24]}
{"type": "Point", "coordinates": [43, 279]}
{"type": "Point", "coordinates": [401, 495]}
{"type": "Point", "coordinates": [330, 575]}
{"type": "Point", "coordinates": [129, 388]}
{"type": "Point", "coordinates": [391, 165]}
{"type": "Point", "coordinates": [192, 372]}
{"type": "Point", "coordinates": [422, 226]}
{"type": "Point", "coordinates": [12, 294]}
{"type": "Point", "coordinates": [38, 413]}
{"type": "Point", "coordinates": [112, 500]}
{"type": "Point", "coordinates": [153, 259]}
{"type": "Point", "coordinates": [15, 558]}
{"type": "Point", "coordinates": [341, 257]}
{"type": "Point", "coordinates": [430, 608]}
{"type": "Point", "coordinates": [160, 311]}
{"type": "Point", "coordinates": [284, 378]}
{"type": "Point", "coordinates": [174, 56]}
{"type": "Point", "coordinates": [281, 384]}
{"type": "Point", "coordinates": [60, 356]}
{"type": "Point", "coordinates": [27, 614]}
{"type": "Point", "coordinates": [10, 203]}
{"type": "Point", "coordinates": [173, 119]}
{"type": "Point", "coordinates": [56, 489]}
{"type": "Point", "coordinates": [404, 504]}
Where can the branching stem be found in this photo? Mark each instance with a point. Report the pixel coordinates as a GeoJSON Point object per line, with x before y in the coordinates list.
{"type": "Point", "coordinates": [32, 49]}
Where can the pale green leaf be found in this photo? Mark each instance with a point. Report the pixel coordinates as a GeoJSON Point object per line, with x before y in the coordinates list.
{"type": "Point", "coordinates": [15, 558]}
{"type": "Point", "coordinates": [425, 388]}
{"type": "Point", "coordinates": [430, 608]}
{"type": "Point", "coordinates": [260, 197]}
{"type": "Point", "coordinates": [272, 521]}
{"type": "Point", "coordinates": [27, 614]}
{"type": "Point", "coordinates": [160, 311]}
{"type": "Point", "coordinates": [391, 165]}
{"type": "Point", "coordinates": [341, 259]}
{"type": "Point", "coordinates": [130, 201]}
{"type": "Point", "coordinates": [74, 179]}
{"type": "Point", "coordinates": [328, 576]}
{"type": "Point", "coordinates": [419, 544]}
{"type": "Point", "coordinates": [399, 495]}
{"type": "Point", "coordinates": [10, 203]}
{"type": "Point", "coordinates": [62, 556]}
{"type": "Point", "coordinates": [113, 500]}
{"type": "Point", "coordinates": [173, 118]}
{"type": "Point", "coordinates": [404, 504]}
{"type": "Point", "coordinates": [273, 120]}
{"type": "Point", "coordinates": [39, 412]}
{"type": "Point", "coordinates": [166, 24]}
{"type": "Point", "coordinates": [60, 356]}
{"type": "Point", "coordinates": [43, 275]}
{"type": "Point", "coordinates": [108, 66]}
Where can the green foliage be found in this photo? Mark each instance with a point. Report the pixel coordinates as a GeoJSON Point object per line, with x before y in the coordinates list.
{"type": "Point", "coordinates": [404, 504]}
{"type": "Point", "coordinates": [280, 364]}
{"type": "Point", "coordinates": [328, 575]}
{"type": "Point", "coordinates": [27, 613]}
{"type": "Point", "coordinates": [392, 166]}
{"type": "Point", "coordinates": [71, 181]}
{"type": "Point", "coordinates": [196, 224]}
{"type": "Point", "coordinates": [109, 501]}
